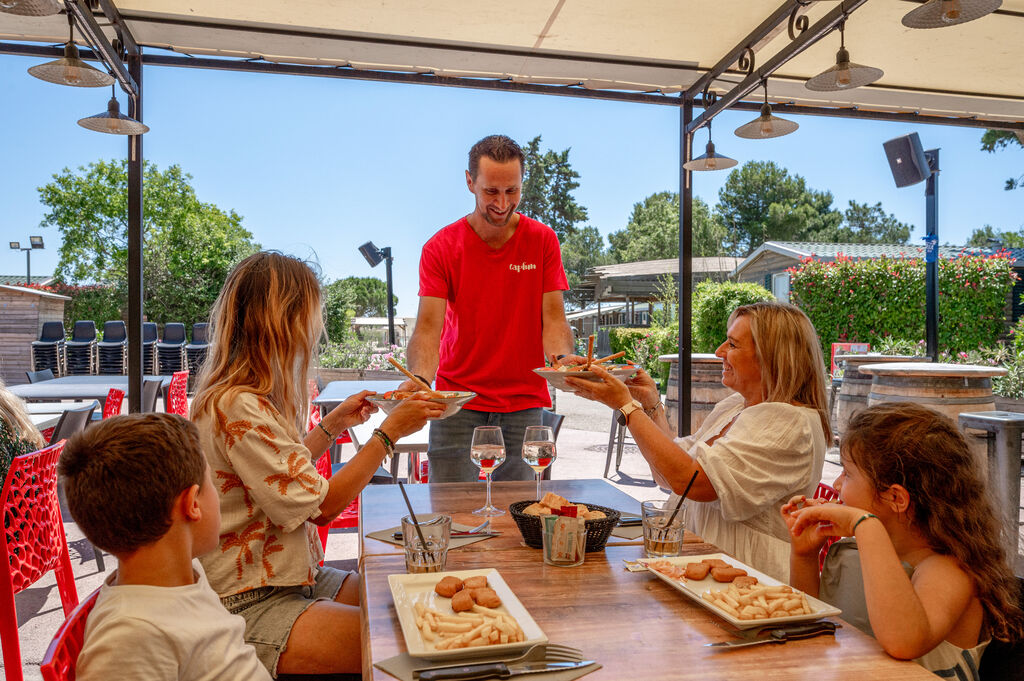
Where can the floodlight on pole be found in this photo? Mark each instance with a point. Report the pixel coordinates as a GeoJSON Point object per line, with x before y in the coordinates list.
{"type": "Point", "coordinates": [374, 256]}
{"type": "Point", "coordinates": [35, 242]}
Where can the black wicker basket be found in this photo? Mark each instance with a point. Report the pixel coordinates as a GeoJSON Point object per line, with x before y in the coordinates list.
{"type": "Point", "coordinates": [598, 530]}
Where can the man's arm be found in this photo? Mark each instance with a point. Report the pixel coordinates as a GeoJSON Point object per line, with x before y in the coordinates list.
{"type": "Point", "coordinates": [424, 346]}
{"type": "Point", "coordinates": [556, 331]}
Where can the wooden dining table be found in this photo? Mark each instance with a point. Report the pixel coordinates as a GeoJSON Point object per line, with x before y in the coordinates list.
{"type": "Point", "coordinates": [632, 623]}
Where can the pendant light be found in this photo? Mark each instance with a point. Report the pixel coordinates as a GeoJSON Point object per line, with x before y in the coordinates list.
{"type": "Point", "coordinates": [112, 121]}
{"type": "Point", "coordinates": [30, 8]}
{"type": "Point", "coordinates": [766, 125]}
{"type": "Point", "coordinates": [845, 75]}
{"type": "Point", "coordinates": [939, 13]}
{"type": "Point", "coordinates": [710, 160]}
{"type": "Point", "coordinates": [70, 69]}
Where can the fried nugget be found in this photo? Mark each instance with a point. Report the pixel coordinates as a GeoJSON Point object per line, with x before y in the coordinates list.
{"type": "Point", "coordinates": [745, 580]}
{"type": "Point", "coordinates": [477, 582]}
{"type": "Point", "coordinates": [448, 586]}
{"type": "Point", "coordinates": [727, 574]}
{"type": "Point", "coordinates": [716, 563]}
{"type": "Point", "coordinates": [486, 597]}
{"type": "Point", "coordinates": [696, 570]}
{"type": "Point", "coordinates": [462, 600]}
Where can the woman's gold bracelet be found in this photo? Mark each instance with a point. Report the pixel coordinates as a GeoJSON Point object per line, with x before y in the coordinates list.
{"type": "Point", "coordinates": [650, 412]}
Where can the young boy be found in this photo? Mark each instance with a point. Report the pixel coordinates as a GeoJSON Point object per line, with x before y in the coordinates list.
{"type": "Point", "coordinates": [139, 487]}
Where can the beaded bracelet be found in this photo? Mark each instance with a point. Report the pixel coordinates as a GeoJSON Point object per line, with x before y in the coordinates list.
{"type": "Point", "coordinates": [389, 446]}
{"type": "Point", "coordinates": [862, 519]}
{"type": "Point", "coordinates": [320, 425]}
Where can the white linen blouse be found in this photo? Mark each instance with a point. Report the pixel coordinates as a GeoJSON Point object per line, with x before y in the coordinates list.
{"type": "Point", "coordinates": [772, 452]}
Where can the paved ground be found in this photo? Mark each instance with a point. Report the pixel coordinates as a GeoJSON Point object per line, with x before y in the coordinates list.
{"type": "Point", "coordinates": [582, 448]}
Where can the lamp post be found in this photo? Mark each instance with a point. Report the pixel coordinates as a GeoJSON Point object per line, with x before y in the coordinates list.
{"type": "Point", "coordinates": [375, 256]}
{"type": "Point", "coordinates": [35, 242]}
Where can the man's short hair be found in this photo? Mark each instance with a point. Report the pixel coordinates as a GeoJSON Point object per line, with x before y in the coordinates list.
{"type": "Point", "coordinates": [498, 148]}
{"type": "Point", "coordinates": [122, 476]}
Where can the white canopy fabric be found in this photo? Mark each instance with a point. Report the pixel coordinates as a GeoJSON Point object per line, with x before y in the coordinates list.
{"type": "Point", "coordinates": [970, 70]}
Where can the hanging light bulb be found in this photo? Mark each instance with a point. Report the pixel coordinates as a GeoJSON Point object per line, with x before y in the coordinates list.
{"type": "Point", "coordinates": [30, 8]}
{"type": "Point", "coordinates": [766, 125]}
{"type": "Point", "coordinates": [939, 13]}
{"type": "Point", "coordinates": [845, 75]}
{"type": "Point", "coordinates": [112, 121]}
{"type": "Point", "coordinates": [70, 69]}
{"type": "Point", "coordinates": [710, 160]}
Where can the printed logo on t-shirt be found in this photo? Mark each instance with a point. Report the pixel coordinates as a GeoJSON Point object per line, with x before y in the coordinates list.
{"type": "Point", "coordinates": [522, 267]}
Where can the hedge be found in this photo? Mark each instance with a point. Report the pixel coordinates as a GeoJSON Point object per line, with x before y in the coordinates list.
{"type": "Point", "coordinates": [644, 345]}
{"type": "Point", "coordinates": [869, 300]}
{"type": "Point", "coordinates": [713, 302]}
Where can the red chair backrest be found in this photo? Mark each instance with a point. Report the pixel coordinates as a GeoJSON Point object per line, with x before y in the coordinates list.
{"type": "Point", "coordinates": [314, 410]}
{"type": "Point", "coordinates": [62, 655]}
{"type": "Point", "coordinates": [177, 397]}
{"type": "Point", "coordinates": [826, 492]}
{"type": "Point", "coordinates": [112, 406]}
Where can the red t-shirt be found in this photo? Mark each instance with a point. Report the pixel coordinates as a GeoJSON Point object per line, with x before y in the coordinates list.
{"type": "Point", "coordinates": [492, 340]}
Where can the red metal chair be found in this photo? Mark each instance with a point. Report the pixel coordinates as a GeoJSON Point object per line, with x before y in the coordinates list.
{"type": "Point", "coordinates": [112, 405]}
{"type": "Point", "coordinates": [62, 655]}
{"type": "Point", "coordinates": [32, 543]}
{"type": "Point", "coordinates": [350, 516]}
{"type": "Point", "coordinates": [177, 396]}
{"type": "Point", "coordinates": [828, 493]}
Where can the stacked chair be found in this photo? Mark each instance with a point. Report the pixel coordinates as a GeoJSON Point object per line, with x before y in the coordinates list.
{"type": "Point", "coordinates": [149, 348]}
{"type": "Point", "coordinates": [170, 352]}
{"type": "Point", "coordinates": [48, 351]}
{"type": "Point", "coordinates": [195, 352]}
{"type": "Point", "coordinates": [81, 349]}
{"type": "Point", "coordinates": [112, 351]}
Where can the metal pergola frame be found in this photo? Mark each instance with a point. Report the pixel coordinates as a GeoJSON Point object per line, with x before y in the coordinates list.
{"type": "Point", "coordinates": [698, 95]}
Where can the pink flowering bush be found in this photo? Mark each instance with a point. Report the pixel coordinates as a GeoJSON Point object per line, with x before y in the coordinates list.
{"type": "Point", "coordinates": [379, 360]}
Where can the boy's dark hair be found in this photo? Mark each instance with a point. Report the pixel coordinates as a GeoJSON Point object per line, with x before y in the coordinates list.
{"type": "Point", "coordinates": [498, 148]}
{"type": "Point", "coordinates": [122, 475]}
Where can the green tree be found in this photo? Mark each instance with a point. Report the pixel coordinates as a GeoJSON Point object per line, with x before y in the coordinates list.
{"type": "Point", "coordinates": [993, 140]}
{"type": "Point", "coordinates": [864, 224]}
{"type": "Point", "coordinates": [188, 246]}
{"type": "Point", "coordinates": [581, 250]}
{"type": "Point", "coordinates": [352, 297]}
{"type": "Point", "coordinates": [983, 237]}
{"type": "Point", "coordinates": [548, 183]}
{"type": "Point", "coordinates": [761, 201]}
{"type": "Point", "coordinates": [653, 231]}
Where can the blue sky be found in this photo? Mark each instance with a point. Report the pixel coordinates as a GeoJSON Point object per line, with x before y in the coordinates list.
{"type": "Point", "coordinates": [317, 166]}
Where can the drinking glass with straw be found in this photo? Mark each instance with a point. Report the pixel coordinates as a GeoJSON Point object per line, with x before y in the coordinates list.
{"type": "Point", "coordinates": [426, 543]}
{"type": "Point", "coordinates": [663, 533]}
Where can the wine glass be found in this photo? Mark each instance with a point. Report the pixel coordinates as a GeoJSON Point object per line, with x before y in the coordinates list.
{"type": "Point", "coordinates": [539, 450]}
{"type": "Point", "coordinates": [488, 452]}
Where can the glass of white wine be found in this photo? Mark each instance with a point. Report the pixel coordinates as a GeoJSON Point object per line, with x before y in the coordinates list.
{"type": "Point", "coordinates": [488, 452]}
{"type": "Point", "coordinates": [539, 450]}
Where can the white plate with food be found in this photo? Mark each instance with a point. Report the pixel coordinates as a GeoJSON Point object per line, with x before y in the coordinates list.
{"type": "Point", "coordinates": [766, 603]}
{"type": "Point", "coordinates": [556, 377]}
{"type": "Point", "coordinates": [452, 399]}
{"type": "Point", "coordinates": [415, 595]}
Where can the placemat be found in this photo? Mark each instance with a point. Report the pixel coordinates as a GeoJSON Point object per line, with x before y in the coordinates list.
{"type": "Point", "coordinates": [628, 532]}
{"type": "Point", "coordinates": [455, 542]}
{"type": "Point", "coordinates": [402, 666]}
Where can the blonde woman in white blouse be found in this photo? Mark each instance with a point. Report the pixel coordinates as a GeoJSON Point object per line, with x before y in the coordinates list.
{"type": "Point", "coordinates": [757, 448]}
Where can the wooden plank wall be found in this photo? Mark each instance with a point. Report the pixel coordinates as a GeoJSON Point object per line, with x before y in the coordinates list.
{"type": "Point", "coordinates": [21, 320]}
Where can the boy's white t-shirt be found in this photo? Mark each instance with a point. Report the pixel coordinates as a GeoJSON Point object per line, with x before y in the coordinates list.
{"type": "Point", "coordinates": [153, 632]}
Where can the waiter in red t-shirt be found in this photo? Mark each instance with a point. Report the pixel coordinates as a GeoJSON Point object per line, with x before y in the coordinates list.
{"type": "Point", "coordinates": [490, 311]}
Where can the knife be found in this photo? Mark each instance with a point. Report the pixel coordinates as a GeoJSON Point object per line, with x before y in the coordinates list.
{"type": "Point", "coordinates": [491, 670]}
{"type": "Point", "coordinates": [630, 520]}
{"type": "Point", "coordinates": [456, 533]}
{"type": "Point", "coordinates": [781, 634]}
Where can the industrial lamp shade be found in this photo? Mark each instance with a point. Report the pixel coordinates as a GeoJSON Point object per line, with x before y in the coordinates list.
{"type": "Point", "coordinates": [709, 160]}
{"type": "Point", "coordinates": [845, 75]}
{"type": "Point", "coordinates": [31, 8]}
{"type": "Point", "coordinates": [113, 122]}
{"type": "Point", "coordinates": [71, 70]}
{"type": "Point", "coordinates": [939, 13]}
{"type": "Point", "coordinates": [766, 126]}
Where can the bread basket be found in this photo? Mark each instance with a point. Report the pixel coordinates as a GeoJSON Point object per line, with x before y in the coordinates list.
{"type": "Point", "coordinates": [598, 530]}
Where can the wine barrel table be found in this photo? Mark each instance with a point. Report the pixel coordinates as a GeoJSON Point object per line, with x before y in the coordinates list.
{"type": "Point", "coordinates": [853, 393]}
{"type": "Point", "coordinates": [706, 389]}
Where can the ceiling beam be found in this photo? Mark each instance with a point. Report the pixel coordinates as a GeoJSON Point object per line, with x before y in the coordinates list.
{"type": "Point", "coordinates": [86, 23]}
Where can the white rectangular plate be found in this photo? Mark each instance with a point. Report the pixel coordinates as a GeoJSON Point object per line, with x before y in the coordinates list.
{"type": "Point", "coordinates": [406, 590]}
{"type": "Point", "coordinates": [694, 588]}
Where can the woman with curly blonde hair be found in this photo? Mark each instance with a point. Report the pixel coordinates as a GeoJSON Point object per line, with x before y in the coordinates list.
{"type": "Point", "coordinates": [17, 433]}
{"type": "Point", "coordinates": [250, 408]}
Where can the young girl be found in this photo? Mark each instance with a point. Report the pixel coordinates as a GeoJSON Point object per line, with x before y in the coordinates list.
{"type": "Point", "coordinates": [936, 584]}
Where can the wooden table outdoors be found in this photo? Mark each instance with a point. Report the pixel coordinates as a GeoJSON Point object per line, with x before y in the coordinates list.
{"type": "Point", "coordinates": [636, 626]}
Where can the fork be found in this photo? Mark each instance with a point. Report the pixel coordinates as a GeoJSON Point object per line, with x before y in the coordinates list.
{"type": "Point", "coordinates": [539, 652]}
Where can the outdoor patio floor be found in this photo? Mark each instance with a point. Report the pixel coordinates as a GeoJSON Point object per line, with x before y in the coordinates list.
{"type": "Point", "coordinates": [582, 447]}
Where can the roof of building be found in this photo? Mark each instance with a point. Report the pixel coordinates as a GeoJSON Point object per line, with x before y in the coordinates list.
{"type": "Point", "coordinates": [18, 279]}
{"type": "Point", "coordinates": [33, 291]}
{"type": "Point", "coordinates": [828, 252]}
{"type": "Point", "coordinates": [639, 280]}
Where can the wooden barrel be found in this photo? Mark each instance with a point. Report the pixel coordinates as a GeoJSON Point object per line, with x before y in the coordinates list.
{"type": "Point", "coordinates": [706, 389]}
{"type": "Point", "coordinates": [853, 394]}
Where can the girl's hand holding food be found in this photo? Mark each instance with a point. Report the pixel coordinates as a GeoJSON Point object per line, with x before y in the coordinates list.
{"type": "Point", "coordinates": [411, 415]}
{"type": "Point", "coordinates": [822, 519]}
{"type": "Point", "coordinates": [611, 392]}
{"type": "Point", "coordinates": [804, 543]}
{"type": "Point", "coordinates": [354, 410]}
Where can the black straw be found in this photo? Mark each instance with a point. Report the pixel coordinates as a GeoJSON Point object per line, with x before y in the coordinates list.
{"type": "Point", "coordinates": [678, 505]}
{"type": "Point", "coordinates": [416, 523]}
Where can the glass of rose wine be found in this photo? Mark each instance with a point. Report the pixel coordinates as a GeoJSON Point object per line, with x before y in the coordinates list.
{"type": "Point", "coordinates": [539, 450]}
{"type": "Point", "coordinates": [488, 452]}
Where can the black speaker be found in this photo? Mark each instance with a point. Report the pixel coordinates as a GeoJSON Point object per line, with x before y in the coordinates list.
{"type": "Point", "coordinates": [907, 160]}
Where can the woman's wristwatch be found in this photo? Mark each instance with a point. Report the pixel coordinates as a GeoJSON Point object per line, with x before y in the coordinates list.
{"type": "Point", "coordinates": [629, 407]}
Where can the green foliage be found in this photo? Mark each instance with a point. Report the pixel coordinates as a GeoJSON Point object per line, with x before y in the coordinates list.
{"type": "Point", "coordinates": [188, 246]}
{"type": "Point", "coordinates": [667, 292]}
{"type": "Point", "coordinates": [98, 303]}
{"type": "Point", "coordinates": [349, 354]}
{"type": "Point", "coordinates": [985, 236]}
{"type": "Point", "coordinates": [864, 224]}
{"type": "Point", "coordinates": [643, 346]}
{"type": "Point", "coordinates": [581, 250]}
{"type": "Point", "coordinates": [653, 231]}
{"type": "Point", "coordinates": [994, 140]}
{"type": "Point", "coordinates": [713, 302]}
{"type": "Point", "coordinates": [868, 300]}
{"type": "Point", "coordinates": [548, 183]}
